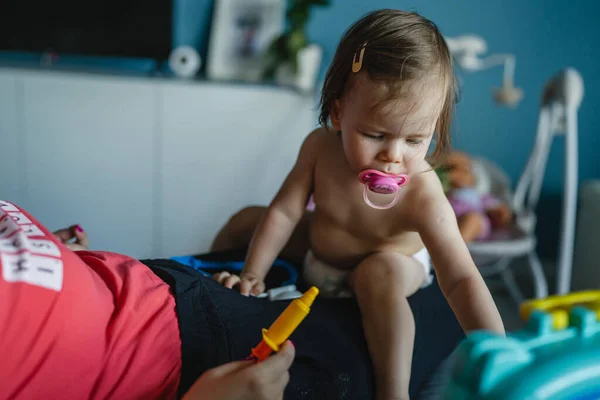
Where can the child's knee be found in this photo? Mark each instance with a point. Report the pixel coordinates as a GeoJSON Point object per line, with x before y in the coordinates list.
{"type": "Point", "coordinates": [247, 215]}
{"type": "Point", "coordinates": [386, 273]}
{"type": "Point", "coordinates": [238, 230]}
{"type": "Point", "coordinates": [244, 222]}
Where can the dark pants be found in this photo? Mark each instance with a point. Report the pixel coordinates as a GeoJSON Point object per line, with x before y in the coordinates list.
{"type": "Point", "coordinates": [219, 325]}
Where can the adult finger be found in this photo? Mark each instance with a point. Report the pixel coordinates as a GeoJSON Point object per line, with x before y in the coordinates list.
{"type": "Point", "coordinates": [278, 364]}
{"type": "Point", "coordinates": [282, 383]}
{"type": "Point", "coordinates": [81, 237]}
{"type": "Point", "coordinates": [230, 367]}
{"type": "Point", "coordinates": [75, 246]}
{"type": "Point", "coordinates": [64, 235]}
{"type": "Point", "coordinates": [231, 281]}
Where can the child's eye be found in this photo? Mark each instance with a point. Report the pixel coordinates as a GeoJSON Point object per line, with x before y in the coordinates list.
{"type": "Point", "coordinates": [415, 142]}
{"type": "Point", "coordinates": [372, 137]}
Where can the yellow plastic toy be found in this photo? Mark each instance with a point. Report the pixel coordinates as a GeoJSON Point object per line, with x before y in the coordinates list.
{"type": "Point", "coordinates": [559, 306]}
{"type": "Point", "coordinates": [284, 325]}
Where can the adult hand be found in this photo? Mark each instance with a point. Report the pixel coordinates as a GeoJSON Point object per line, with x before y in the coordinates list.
{"type": "Point", "coordinates": [66, 236]}
{"type": "Point", "coordinates": [246, 380]}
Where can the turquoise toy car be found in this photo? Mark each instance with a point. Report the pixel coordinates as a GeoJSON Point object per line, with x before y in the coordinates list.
{"type": "Point", "coordinates": [556, 356]}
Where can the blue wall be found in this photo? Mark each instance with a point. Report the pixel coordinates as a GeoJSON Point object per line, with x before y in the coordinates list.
{"type": "Point", "coordinates": [544, 35]}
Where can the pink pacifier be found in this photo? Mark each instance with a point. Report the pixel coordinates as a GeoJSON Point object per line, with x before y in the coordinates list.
{"type": "Point", "coordinates": [382, 183]}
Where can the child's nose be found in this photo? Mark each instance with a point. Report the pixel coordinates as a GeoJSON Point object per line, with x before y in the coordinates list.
{"type": "Point", "coordinates": [393, 153]}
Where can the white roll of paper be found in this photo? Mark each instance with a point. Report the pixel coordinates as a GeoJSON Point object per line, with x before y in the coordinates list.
{"type": "Point", "coordinates": [185, 62]}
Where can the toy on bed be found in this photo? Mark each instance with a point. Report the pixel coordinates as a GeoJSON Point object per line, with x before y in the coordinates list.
{"type": "Point", "coordinates": [478, 212]}
{"type": "Point", "coordinates": [280, 282]}
{"type": "Point", "coordinates": [284, 325]}
{"type": "Point", "coordinates": [557, 355]}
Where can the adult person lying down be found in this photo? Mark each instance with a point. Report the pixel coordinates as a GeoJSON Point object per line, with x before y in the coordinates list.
{"type": "Point", "coordinates": [92, 324]}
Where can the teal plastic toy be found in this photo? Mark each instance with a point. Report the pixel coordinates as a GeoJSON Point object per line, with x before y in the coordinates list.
{"type": "Point", "coordinates": [556, 356]}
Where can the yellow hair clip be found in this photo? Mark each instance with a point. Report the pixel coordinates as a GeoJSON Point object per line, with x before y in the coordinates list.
{"type": "Point", "coordinates": [358, 58]}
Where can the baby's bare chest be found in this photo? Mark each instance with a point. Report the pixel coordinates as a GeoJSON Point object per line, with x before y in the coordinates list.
{"type": "Point", "coordinates": [341, 207]}
{"type": "Point", "coordinates": [343, 233]}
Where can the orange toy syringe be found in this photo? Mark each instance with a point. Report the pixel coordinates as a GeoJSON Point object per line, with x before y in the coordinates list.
{"type": "Point", "coordinates": [284, 325]}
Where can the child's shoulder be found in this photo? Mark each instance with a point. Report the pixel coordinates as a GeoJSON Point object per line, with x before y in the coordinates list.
{"type": "Point", "coordinates": [318, 136]}
{"type": "Point", "coordinates": [312, 146]}
{"type": "Point", "coordinates": [428, 209]}
{"type": "Point", "coordinates": [427, 203]}
{"type": "Point", "coordinates": [316, 140]}
{"type": "Point", "coordinates": [425, 186]}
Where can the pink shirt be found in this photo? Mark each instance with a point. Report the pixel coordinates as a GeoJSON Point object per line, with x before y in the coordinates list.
{"type": "Point", "coordinates": [80, 325]}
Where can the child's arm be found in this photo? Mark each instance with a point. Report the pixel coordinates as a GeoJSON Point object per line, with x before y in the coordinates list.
{"type": "Point", "coordinates": [282, 216]}
{"type": "Point", "coordinates": [458, 277]}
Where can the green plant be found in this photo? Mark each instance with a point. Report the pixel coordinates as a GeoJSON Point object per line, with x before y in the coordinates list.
{"type": "Point", "coordinates": [285, 48]}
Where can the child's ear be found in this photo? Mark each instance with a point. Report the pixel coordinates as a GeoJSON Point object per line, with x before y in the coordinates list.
{"type": "Point", "coordinates": [334, 115]}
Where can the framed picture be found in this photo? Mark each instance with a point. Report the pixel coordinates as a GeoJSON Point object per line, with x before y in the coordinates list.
{"type": "Point", "coordinates": [242, 30]}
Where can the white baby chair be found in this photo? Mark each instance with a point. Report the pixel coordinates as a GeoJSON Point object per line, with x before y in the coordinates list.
{"type": "Point", "coordinates": [561, 99]}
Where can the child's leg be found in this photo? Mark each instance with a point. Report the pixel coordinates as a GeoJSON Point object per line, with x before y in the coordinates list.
{"type": "Point", "coordinates": [238, 230]}
{"type": "Point", "coordinates": [382, 282]}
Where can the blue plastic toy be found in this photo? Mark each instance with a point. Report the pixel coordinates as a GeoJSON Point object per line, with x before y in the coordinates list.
{"type": "Point", "coordinates": [208, 267]}
{"type": "Point", "coordinates": [556, 356]}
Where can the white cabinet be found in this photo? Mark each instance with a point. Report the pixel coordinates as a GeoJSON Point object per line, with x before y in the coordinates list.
{"type": "Point", "coordinates": [89, 157]}
{"type": "Point", "coordinates": [224, 147]}
{"type": "Point", "coordinates": [149, 167]}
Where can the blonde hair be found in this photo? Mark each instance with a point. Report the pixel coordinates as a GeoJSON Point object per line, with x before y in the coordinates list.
{"type": "Point", "coordinates": [399, 46]}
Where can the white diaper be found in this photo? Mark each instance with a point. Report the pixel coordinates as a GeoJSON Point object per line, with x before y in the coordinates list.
{"type": "Point", "coordinates": [333, 282]}
{"type": "Point", "coordinates": [422, 256]}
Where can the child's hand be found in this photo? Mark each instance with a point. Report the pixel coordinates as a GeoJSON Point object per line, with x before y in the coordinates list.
{"type": "Point", "coordinates": [251, 284]}
{"type": "Point", "coordinates": [248, 283]}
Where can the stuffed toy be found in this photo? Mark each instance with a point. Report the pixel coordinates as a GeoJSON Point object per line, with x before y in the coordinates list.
{"type": "Point", "coordinates": [477, 214]}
